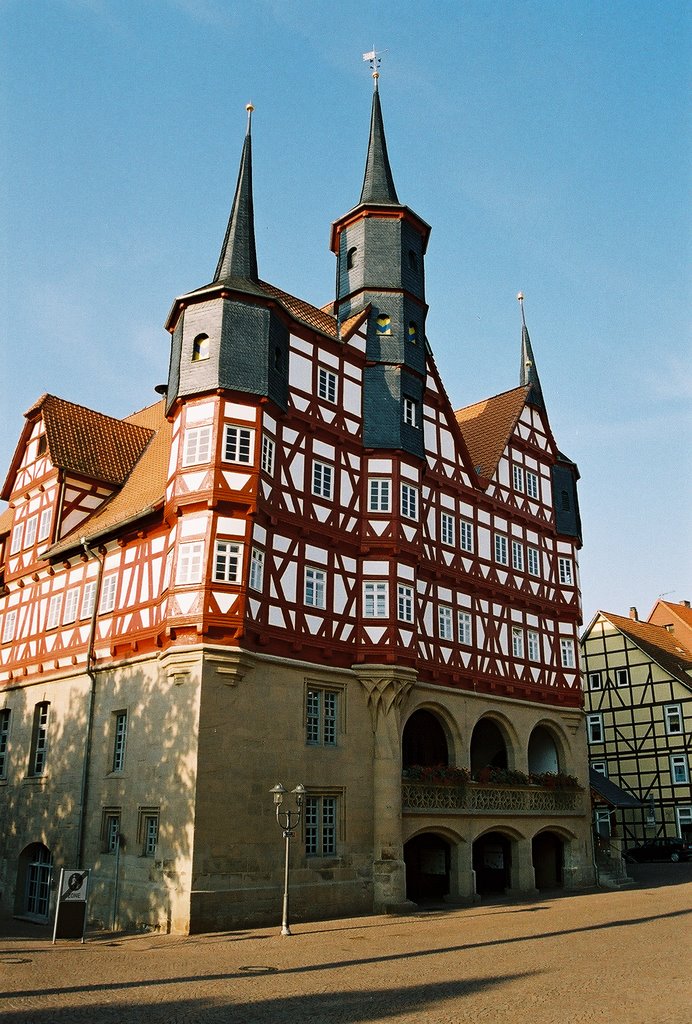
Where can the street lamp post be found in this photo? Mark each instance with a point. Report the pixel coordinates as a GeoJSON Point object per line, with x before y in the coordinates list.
{"type": "Point", "coordinates": [287, 821]}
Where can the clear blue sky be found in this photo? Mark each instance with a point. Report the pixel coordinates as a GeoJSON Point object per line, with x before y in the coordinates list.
{"type": "Point", "coordinates": [545, 142]}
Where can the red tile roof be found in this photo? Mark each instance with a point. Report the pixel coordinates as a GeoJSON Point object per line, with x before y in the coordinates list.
{"type": "Point", "coordinates": [144, 489]}
{"type": "Point", "coordinates": [303, 311]}
{"type": "Point", "coordinates": [487, 426]}
{"type": "Point", "coordinates": [89, 443]}
{"type": "Point", "coordinates": [656, 642]}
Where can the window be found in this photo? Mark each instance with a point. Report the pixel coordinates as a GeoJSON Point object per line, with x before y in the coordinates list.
{"type": "Point", "coordinates": [501, 548]}
{"type": "Point", "coordinates": [9, 626]}
{"type": "Point", "coordinates": [42, 446]}
{"type": "Point", "coordinates": [4, 739]}
{"type": "Point", "coordinates": [17, 535]}
{"type": "Point", "coordinates": [466, 535]}
{"type": "Point", "coordinates": [565, 571]}
{"type": "Point", "coordinates": [594, 728]}
{"type": "Point", "coordinates": [326, 385]}
{"type": "Point", "coordinates": [567, 653]}
{"type": "Point", "coordinates": [71, 605]}
{"type": "Point", "coordinates": [189, 568]}
{"type": "Point", "coordinates": [444, 622]}
{"type": "Point", "coordinates": [409, 501]}
{"type": "Point", "coordinates": [679, 769]}
{"type": "Point", "coordinates": [601, 767]}
{"type": "Point", "coordinates": [622, 677]}
{"type": "Point", "coordinates": [148, 830]}
{"type": "Point", "coordinates": [531, 484]}
{"type": "Point", "coordinates": [227, 561]}
{"type": "Point", "coordinates": [197, 447]}
{"type": "Point", "coordinates": [237, 444]}
{"type": "Point", "coordinates": [39, 739]}
{"type": "Point", "coordinates": [673, 719]}
{"type": "Point", "coordinates": [315, 581]}
{"type": "Point", "coordinates": [518, 477]}
{"type": "Point", "coordinates": [447, 528]}
{"type": "Point", "coordinates": [119, 736]}
{"type": "Point", "coordinates": [88, 600]}
{"type": "Point", "coordinates": [405, 603]}
{"type": "Point", "coordinates": [351, 257]}
{"type": "Point", "coordinates": [30, 532]}
{"type": "Point", "coordinates": [44, 523]}
{"type": "Point", "coordinates": [684, 816]}
{"type": "Point", "coordinates": [410, 411]}
{"type": "Point", "coordinates": [110, 829]}
{"type": "Point", "coordinates": [375, 600]}
{"type": "Point", "coordinates": [533, 562]}
{"type": "Point", "coordinates": [167, 568]}
{"type": "Point", "coordinates": [257, 569]}
{"type": "Point", "coordinates": [602, 816]}
{"type": "Point", "coordinates": [322, 478]}
{"type": "Point", "coordinates": [565, 501]}
{"type": "Point", "coordinates": [412, 260]}
{"type": "Point", "coordinates": [517, 641]}
{"type": "Point", "coordinates": [107, 602]}
{"type": "Point", "coordinates": [200, 348]}
{"type": "Point", "coordinates": [534, 645]}
{"type": "Point", "coordinates": [268, 448]}
{"type": "Point", "coordinates": [412, 327]}
{"type": "Point", "coordinates": [595, 682]}
{"type": "Point", "coordinates": [464, 627]}
{"type": "Point", "coordinates": [379, 494]}
{"type": "Point", "coordinates": [54, 609]}
{"type": "Point", "coordinates": [321, 717]}
{"type": "Point", "coordinates": [320, 826]}
{"type": "Point", "coordinates": [517, 555]}
{"type": "Point", "coordinates": [383, 325]}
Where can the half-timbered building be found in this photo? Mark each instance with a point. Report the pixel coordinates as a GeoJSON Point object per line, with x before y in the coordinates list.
{"type": "Point", "coordinates": [301, 564]}
{"type": "Point", "coordinates": [638, 690]}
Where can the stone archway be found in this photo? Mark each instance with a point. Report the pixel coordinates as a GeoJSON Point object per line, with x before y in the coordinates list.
{"type": "Point", "coordinates": [424, 741]}
{"type": "Point", "coordinates": [488, 746]}
{"type": "Point", "coordinates": [492, 863]}
{"type": "Point", "coordinates": [428, 858]}
{"type": "Point", "coordinates": [543, 753]}
{"type": "Point", "coordinates": [548, 856]}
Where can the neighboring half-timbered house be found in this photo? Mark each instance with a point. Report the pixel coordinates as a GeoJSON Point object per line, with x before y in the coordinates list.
{"type": "Point", "coordinates": [638, 691]}
{"type": "Point", "coordinates": [301, 564]}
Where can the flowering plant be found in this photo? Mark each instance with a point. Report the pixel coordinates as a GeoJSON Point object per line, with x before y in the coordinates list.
{"type": "Point", "coordinates": [436, 774]}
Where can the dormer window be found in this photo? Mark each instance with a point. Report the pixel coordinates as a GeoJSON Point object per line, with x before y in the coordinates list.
{"type": "Point", "coordinates": [200, 348]}
{"type": "Point", "coordinates": [42, 446]}
{"type": "Point", "coordinates": [351, 257]}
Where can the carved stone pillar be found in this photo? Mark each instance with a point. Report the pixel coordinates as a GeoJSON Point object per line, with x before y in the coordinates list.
{"type": "Point", "coordinates": [387, 689]}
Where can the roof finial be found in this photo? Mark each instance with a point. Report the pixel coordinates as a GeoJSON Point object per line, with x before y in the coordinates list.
{"type": "Point", "coordinates": [520, 300]}
{"type": "Point", "coordinates": [375, 60]}
{"type": "Point", "coordinates": [249, 107]}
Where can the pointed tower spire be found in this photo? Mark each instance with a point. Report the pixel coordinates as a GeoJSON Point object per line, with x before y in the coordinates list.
{"type": "Point", "coordinates": [528, 374]}
{"type": "Point", "coordinates": [378, 183]}
{"type": "Point", "coordinates": [238, 254]}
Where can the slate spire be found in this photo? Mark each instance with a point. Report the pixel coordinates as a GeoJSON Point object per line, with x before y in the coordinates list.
{"type": "Point", "coordinates": [378, 183]}
{"type": "Point", "coordinates": [528, 374]}
{"type": "Point", "coordinates": [238, 254]}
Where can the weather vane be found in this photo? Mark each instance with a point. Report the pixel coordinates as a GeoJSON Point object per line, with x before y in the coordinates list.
{"type": "Point", "coordinates": [374, 57]}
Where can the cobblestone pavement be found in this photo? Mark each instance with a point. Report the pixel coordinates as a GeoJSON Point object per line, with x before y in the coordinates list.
{"type": "Point", "coordinates": [595, 957]}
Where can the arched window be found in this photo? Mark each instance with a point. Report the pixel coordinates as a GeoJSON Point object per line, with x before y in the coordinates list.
{"type": "Point", "coordinates": [412, 260]}
{"type": "Point", "coordinates": [351, 257]}
{"type": "Point", "coordinates": [413, 332]}
{"type": "Point", "coordinates": [566, 505]}
{"type": "Point", "coordinates": [200, 348]}
{"type": "Point", "coordinates": [383, 325]}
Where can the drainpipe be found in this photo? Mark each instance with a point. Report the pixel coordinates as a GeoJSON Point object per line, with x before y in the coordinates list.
{"type": "Point", "coordinates": [91, 672]}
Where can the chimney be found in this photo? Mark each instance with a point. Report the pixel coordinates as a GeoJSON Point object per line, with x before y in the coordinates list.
{"type": "Point", "coordinates": [634, 614]}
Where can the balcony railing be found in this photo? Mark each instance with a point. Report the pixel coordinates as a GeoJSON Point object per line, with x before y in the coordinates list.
{"type": "Point", "coordinates": [497, 798]}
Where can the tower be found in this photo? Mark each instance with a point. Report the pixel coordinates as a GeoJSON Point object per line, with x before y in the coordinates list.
{"type": "Point", "coordinates": [227, 334]}
{"type": "Point", "coordinates": [380, 248]}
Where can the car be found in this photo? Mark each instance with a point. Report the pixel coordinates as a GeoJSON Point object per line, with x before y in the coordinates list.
{"type": "Point", "coordinates": [674, 849]}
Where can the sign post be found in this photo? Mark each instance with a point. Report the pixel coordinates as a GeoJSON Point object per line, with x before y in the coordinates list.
{"type": "Point", "coordinates": [71, 909]}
